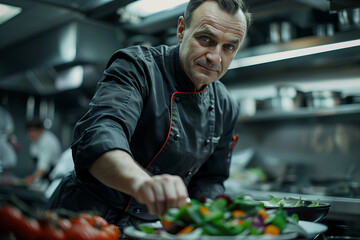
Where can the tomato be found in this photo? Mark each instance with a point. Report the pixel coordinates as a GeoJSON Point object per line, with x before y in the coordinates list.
{"type": "Point", "coordinates": [81, 230]}
{"type": "Point", "coordinates": [88, 217]}
{"type": "Point", "coordinates": [78, 220]}
{"type": "Point", "coordinates": [100, 221]}
{"type": "Point", "coordinates": [50, 231]}
{"type": "Point", "coordinates": [28, 229]}
{"type": "Point", "coordinates": [112, 232]}
{"type": "Point", "coordinates": [10, 218]}
{"type": "Point", "coordinates": [64, 223]}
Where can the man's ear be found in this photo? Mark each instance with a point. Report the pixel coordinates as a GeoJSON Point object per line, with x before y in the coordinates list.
{"type": "Point", "coordinates": [180, 28]}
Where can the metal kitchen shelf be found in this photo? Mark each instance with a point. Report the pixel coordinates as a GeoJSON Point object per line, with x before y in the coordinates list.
{"type": "Point", "coordinates": [269, 115]}
{"type": "Point", "coordinates": [296, 48]}
{"type": "Point", "coordinates": [265, 62]}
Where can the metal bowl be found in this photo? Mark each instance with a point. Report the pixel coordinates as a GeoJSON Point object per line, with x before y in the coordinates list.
{"type": "Point", "coordinates": [305, 213]}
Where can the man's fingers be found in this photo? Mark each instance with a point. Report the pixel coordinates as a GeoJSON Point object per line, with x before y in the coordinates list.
{"type": "Point", "coordinates": [160, 195]}
{"type": "Point", "coordinates": [146, 196]}
{"type": "Point", "coordinates": [182, 193]}
{"type": "Point", "coordinates": [162, 192]}
{"type": "Point", "coordinates": [170, 185]}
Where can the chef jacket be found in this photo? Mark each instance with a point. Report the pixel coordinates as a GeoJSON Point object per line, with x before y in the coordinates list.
{"type": "Point", "coordinates": [8, 157]}
{"type": "Point", "coordinates": [45, 151]}
{"type": "Point", "coordinates": [147, 106]}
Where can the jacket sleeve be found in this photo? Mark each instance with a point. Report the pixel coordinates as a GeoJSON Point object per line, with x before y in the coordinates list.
{"type": "Point", "coordinates": [208, 182]}
{"type": "Point", "coordinates": [114, 111]}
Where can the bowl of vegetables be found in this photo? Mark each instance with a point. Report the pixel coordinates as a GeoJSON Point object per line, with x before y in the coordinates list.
{"type": "Point", "coordinates": [224, 218]}
{"type": "Point", "coordinates": [306, 210]}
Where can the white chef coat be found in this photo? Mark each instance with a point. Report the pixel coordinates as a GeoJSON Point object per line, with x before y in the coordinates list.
{"type": "Point", "coordinates": [64, 166]}
{"type": "Point", "coordinates": [47, 150]}
{"type": "Point", "coordinates": [8, 156]}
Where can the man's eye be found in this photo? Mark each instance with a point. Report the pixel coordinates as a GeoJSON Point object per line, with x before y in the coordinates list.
{"type": "Point", "coordinates": [205, 38]}
{"type": "Point", "coordinates": [229, 47]}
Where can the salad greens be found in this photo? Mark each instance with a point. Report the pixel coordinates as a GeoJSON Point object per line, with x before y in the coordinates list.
{"type": "Point", "coordinates": [224, 216]}
{"type": "Point", "coordinates": [290, 202]}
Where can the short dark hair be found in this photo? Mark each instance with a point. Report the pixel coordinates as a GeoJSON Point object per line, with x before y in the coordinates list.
{"type": "Point", "coordinates": [230, 6]}
{"type": "Point", "coordinates": [35, 123]}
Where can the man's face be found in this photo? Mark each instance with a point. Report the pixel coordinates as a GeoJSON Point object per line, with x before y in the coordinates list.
{"type": "Point", "coordinates": [210, 43]}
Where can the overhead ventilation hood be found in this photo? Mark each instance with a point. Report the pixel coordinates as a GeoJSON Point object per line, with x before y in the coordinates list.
{"type": "Point", "coordinates": [59, 59]}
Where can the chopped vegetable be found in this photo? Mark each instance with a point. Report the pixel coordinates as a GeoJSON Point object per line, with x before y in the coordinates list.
{"type": "Point", "coordinates": [290, 202]}
{"type": "Point", "coordinates": [185, 230]}
{"type": "Point", "coordinates": [272, 229]}
{"type": "Point", "coordinates": [263, 214]}
{"type": "Point", "coordinates": [238, 213]}
{"type": "Point", "coordinates": [315, 204]}
{"type": "Point", "coordinates": [224, 216]}
{"type": "Point", "coordinates": [204, 211]}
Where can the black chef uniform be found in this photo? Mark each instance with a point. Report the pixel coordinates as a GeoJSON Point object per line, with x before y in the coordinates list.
{"type": "Point", "coordinates": [146, 105]}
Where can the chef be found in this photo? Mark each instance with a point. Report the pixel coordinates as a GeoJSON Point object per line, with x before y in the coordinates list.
{"type": "Point", "coordinates": [160, 127]}
{"type": "Point", "coordinates": [8, 157]}
{"type": "Point", "coordinates": [45, 150]}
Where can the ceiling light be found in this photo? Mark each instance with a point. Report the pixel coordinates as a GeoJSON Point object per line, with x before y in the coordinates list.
{"type": "Point", "coordinates": [144, 8]}
{"type": "Point", "coordinates": [7, 12]}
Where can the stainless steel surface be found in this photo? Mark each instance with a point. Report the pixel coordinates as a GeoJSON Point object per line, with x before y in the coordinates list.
{"type": "Point", "coordinates": [302, 43]}
{"type": "Point", "coordinates": [342, 110]}
{"type": "Point", "coordinates": [50, 54]}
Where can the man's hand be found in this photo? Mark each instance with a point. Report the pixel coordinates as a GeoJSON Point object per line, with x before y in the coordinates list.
{"type": "Point", "coordinates": [118, 170]}
{"type": "Point", "coordinates": [161, 193]}
{"type": "Point", "coordinates": [33, 177]}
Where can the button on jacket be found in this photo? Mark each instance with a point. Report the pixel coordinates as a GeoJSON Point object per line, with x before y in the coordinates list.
{"type": "Point", "coordinates": [146, 105]}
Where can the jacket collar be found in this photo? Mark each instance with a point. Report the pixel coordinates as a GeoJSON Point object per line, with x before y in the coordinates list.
{"type": "Point", "coordinates": [182, 82]}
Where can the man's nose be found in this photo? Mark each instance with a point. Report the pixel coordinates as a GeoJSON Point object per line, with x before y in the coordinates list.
{"type": "Point", "coordinates": [214, 55]}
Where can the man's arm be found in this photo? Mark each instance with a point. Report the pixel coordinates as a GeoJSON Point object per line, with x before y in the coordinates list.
{"type": "Point", "coordinates": [118, 170]}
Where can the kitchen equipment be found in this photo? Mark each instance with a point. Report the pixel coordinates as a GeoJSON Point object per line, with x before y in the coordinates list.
{"type": "Point", "coordinates": [323, 99]}
{"type": "Point", "coordinates": [287, 98]}
{"type": "Point", "coordinates": [281, 32]}
{"type": "Point", "coordinates": [349, 18]}
{"type": "Point", "coordinates": [351, 99]}
{"type": "Point", "coordinates": [248, 106]}
{"type": "Point", "coordinates": [323, 30]}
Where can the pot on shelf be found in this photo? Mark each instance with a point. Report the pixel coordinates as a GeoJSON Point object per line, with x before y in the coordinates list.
{"type": "Point", "coordinates": [323, 99]}
{"type": "Point", "coordinates": [349, 18]}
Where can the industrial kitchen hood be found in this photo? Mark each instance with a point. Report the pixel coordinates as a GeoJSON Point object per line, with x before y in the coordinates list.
{"type": "Point", "coordinates": [62, 58]}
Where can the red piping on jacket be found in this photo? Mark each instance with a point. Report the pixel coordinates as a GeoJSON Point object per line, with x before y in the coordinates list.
{"type": "Point", "coordinates": [235, 138]}
{"type": "Point", "coordinates": [168, 135]}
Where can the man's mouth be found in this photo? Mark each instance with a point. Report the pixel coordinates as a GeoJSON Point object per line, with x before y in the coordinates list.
{"type": "Point", "coordinates": [211, 69]}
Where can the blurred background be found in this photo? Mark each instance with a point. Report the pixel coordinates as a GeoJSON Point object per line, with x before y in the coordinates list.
{"type": "Point", "coordinates": [296, 79]}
